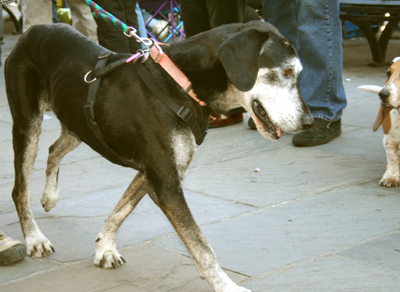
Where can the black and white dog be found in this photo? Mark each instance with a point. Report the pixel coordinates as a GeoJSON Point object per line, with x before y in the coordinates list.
{"type": "Point", "coordinates": [250, 65]}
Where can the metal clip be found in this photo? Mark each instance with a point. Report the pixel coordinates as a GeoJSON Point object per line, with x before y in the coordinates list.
{"type": "Point", "coordinates": [89, 81]}
{"type": "Point", "coordinates": [132, 33]}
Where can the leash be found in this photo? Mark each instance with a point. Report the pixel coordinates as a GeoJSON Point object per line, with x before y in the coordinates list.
{"type": "Point", "coordinates": [129, 31]}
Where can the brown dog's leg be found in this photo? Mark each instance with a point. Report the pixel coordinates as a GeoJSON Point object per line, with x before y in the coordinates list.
{"type": "Point", "coordinates": [107, 255]}
{"type": "Point", "coordinates": [64, 144]}
{"type": "Point", "coordinates": [391, 176]}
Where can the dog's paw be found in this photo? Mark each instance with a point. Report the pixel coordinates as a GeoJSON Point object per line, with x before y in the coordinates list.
{"type": "Point", "coordinates": [110, 259]}
{"type": "Point", "coordinates": [389, 181]}
{"type": "Point", "coordinates": [107, 255]}
{"type": "Point", "coordinates": [49, 199]}
{"type": "Point", "coordinates": [235, 288]}
{"type": "Point", "coordinates": [38, 246]}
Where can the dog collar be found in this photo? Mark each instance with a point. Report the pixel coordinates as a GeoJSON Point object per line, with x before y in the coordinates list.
{"type": "Point", "coordinates": [166, 63]}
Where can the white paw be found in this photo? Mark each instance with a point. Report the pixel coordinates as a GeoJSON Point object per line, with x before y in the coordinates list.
{"type": "Point", "coordinates": [49, 198]}
{"type": "Point", "coordinates": [235, 288]}
{"type": "Point", "coordinates": [389, 181]}
{"type": "Point", "coordinates": [38, 246]}
{"type": "Point", "coordinates": [107, 255]}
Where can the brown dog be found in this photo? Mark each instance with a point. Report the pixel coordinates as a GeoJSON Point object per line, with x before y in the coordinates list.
{"type": "Point", "coordinates": [389, 118]}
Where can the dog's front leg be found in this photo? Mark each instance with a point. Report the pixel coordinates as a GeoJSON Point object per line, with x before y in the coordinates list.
{"type": "Point", "coordinates": [391, 176]}
{"type": "Point", "coordinates": [177, 211]}
{"type": "Point", "coordinates": [107, 255]}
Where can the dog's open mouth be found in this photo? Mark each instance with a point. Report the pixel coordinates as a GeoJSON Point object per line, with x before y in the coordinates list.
{"type": "Point", "coordinates": [263, 120]}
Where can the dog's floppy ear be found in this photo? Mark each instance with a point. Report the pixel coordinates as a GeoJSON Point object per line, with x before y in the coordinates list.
{"type": "Point", "coordinates": [383, 111]}
{"type": "Point", "coordinates": [240, 56]}
{"type": "Point", "coordinates": [382, 114]}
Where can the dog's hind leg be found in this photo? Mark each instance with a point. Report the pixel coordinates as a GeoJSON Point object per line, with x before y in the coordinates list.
{"type": "Point", "coordinates": [173, 204]}
{"type": "Point", "coordinates": [64, 144]}
{"type": "Point", "coordinates": [28, 104]}
{"type": "Point", "coordinates": [107, 255]}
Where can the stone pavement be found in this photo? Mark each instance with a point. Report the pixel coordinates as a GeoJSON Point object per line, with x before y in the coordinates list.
{"type": "Point", "coordinates": [312, 219]}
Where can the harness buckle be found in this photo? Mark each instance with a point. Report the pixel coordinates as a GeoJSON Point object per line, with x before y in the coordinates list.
{"type": "Point", "coordinates": [185, 113]}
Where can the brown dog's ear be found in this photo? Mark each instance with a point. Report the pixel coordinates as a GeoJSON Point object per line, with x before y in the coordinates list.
{"type": "Point", "coordinates": [382, 114]}
{"type": "Point", "coordinates": [240, 56]}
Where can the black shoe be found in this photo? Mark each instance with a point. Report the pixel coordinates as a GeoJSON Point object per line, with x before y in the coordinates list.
{"type": "Point", "coordinates": [321, 133]}
{"type": "Point", "coordinates": [251, 124]}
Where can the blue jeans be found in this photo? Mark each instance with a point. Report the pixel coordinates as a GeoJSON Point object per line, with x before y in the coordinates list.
{"type": "Point", "coordinates": [142, 28]}
{"type": "Point", "coordinates": [315, 31]}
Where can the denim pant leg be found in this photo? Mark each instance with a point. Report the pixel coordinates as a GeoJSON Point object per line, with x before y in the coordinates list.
{"type": "Point", "coordinates": [141, 25]}
{"type": "Point", "coordinates": [314, 29]}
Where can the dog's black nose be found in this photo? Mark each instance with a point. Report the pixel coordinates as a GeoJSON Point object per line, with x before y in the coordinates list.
{"type": "Point", "coordinates": [308, 121]}
{"type": "Point", "coordinates": [384, 94]}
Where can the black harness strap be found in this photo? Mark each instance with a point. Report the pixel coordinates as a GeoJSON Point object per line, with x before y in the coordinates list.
{"type": "Point", "coordinates": [99, 72]}
{"type": "Point", "coordinates": [101, 69]}
{"type": "Point", "coordinates": [183, 112]}
{"type": "Point", "coordinates": [88, 109]}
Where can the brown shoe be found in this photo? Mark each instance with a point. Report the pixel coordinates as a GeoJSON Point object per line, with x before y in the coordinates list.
{"type": "Point", "coordinates": [217, 120]}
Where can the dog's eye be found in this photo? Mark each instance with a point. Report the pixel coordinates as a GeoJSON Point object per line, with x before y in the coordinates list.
{"type": "Point", "coordinates": [287, 71]}
{"type": "Point", "coordinates": [388, 73]}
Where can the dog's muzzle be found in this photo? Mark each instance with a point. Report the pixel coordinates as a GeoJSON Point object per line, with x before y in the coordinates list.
{"type": "Point", "coordinates": [263, 117]}
{"type": "Point", "coordinates": [384, 94]}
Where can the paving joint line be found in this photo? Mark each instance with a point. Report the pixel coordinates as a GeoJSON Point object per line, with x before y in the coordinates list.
{"type": "Point", "coordinates": [322, 255]}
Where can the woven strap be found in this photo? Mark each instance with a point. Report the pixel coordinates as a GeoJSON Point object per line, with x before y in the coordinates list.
{"type": "Point", "coordinates": [4, 2]}
{"type": "Point", "coordinates": [88, 109]}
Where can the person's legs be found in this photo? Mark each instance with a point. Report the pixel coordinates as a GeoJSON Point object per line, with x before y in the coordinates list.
{"type": "Point", "coordinates": [82, 19]}
{"type": "Point", "coordinates": [195, 16]}
{"type": "Point", "coordinates": [36, 12]}
{"type": "Point", "coordinates": [131, 19]}
{"type": "Point", "coordinates": [321, 80]}
{"type": "Point", "coordinates": [225, 11]}
{"type": "Point", "coordinates": [320, 51]}
{"type": "Point", "coordinates": [110, 36]}
{"type": "Point", "coordinates": [141, 24]}
{"type": "Point", "coordinates": [283, 15]}
{"type": "Point", "coordinates": [313, 27]}
{"type": "Point", "coordinates": [55, 18]}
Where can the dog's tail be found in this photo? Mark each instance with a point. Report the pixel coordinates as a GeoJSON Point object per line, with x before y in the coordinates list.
{"type": "Point", "coordinates": [371, 88]}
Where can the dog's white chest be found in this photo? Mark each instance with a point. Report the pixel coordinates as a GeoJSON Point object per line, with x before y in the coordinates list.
{"type": "Point", "coordinates": [393, 136]}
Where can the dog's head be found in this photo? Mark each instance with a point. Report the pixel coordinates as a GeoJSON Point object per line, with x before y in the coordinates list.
{"type": "Point", "coordinates": [264, 68]}
{"type": "Point", "coordinates": [389, 93]}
